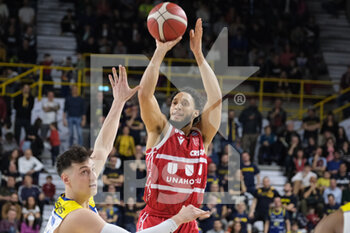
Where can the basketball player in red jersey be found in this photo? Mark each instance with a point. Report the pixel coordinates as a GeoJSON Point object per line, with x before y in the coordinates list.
{"type": "Point", "coordinates": [176, 149]}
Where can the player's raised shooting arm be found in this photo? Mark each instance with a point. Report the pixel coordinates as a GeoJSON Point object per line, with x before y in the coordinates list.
{"type": "Point", "coordinates": [104, 141]}
{"type": "Point", "coordinates": [211, 116]}
{"type": "Point", "coordinates": [151, 115]}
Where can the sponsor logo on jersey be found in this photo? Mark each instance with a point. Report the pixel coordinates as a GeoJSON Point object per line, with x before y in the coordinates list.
{"type": "Point", "coordinates": [179, 180]}
{"type": "Point", "coordinates": [195, 141]}
{"type": "Point", "coordinates": [172, 168]}
{"type": "Point", "coordinates": [181, 139]}
{"type": "Point", "coordinates": [197, 152]}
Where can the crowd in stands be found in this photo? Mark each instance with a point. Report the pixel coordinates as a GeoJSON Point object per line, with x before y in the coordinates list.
{"type": "Point", "coordinates": [315, 159]}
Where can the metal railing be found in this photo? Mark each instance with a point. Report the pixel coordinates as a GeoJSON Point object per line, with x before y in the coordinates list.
{"type": "Point", "coordinates": [262, 95]}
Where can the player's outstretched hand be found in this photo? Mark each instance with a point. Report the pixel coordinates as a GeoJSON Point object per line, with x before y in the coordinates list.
{"type": "Point", "coordinates": [166, 46]}
{"type": "Point", "coordinates": [121, 90]}
{"type": "Point", "coordinates": [196, 37]}
{"type": "Point", "coordinates": [189, 213]}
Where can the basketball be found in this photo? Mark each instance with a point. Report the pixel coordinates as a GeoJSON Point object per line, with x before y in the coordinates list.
{"type": "Point", "coordinates": [167, 21]}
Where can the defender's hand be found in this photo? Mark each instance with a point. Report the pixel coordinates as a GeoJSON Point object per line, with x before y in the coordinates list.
{"type": "Point", "coordinates": [120, 86]}
{"type": "Point", "coordinates": [196, 38]}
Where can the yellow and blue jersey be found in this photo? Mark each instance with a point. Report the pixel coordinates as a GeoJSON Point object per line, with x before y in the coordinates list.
{"type": "Point", "coordinates": [63, 207]}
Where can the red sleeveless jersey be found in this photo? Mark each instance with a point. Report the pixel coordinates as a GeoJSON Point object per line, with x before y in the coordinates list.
{"type": "Point", "coordinates": [176, 173]}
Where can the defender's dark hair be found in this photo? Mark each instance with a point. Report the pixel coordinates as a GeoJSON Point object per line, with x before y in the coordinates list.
{"type": "Point", "coordinates": [76, 154]}
{"type": "Point", "coordinates": [198, 101]}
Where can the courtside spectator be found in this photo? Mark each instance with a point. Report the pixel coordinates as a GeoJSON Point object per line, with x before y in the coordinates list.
{"type": "Point", "coordinates": [49, 190]}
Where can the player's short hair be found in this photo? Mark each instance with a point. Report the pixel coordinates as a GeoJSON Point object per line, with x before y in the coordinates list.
{"type": "Point", "coordinates": [76, 154]}
{"type": "Point", "coordinates": [198, 100]}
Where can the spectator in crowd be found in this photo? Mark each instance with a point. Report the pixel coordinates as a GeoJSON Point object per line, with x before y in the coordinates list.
{"type": "Point", "coordinates": [28, 189]}
{"type": "Point", "coordinates": [300, 161]}
{"type": "Point", "coordinates": [4, 11]}
{"type": "Point", "coordinates": [10, 223]}
{"type": "Point", "coordinates": [333, 189]}
{"type": "Point", "coordinates": [232, 127]}
{"type": "Point", "coordinates": [346, 195]}
{"type": "Point", "coordinates": [125, 144]}
{"type": "Point", "coordinates": [342, 177]}
{"type": "Point", "coordinates": [48, 61]}
{"type": "Point", "coordinates": [212, 176]}
{"type": "Point", "coordinates": [218, 228]}
{"type": "Point", "coordinates": [73, 116]}
{"type": "Point", "coordinates": [267, 141]}
{"type": "Point", "coordinates": [235, 228]}
{"type": "Point", "coordinates": [330, 125]}
{"type": "Point", "coordinates": [241, 216]}
{"type": "Point", "coordinates": [263, 197]}
{"type": "Point", "coordinates": [329, 148]}
{"type": "Point", "coordinates": [27, 54]}
{"type": "Point", "coordinates": [26, 14]}
{"type": "Point", "coordinates": [66, 77]}
{"type": "Point", "coordinates": [344, 97]}
{"type": "Point", "coordinates": [30, 37]}
{"type": "Point", "coordinates": [12, 204]}
{"type": "Point", "coordinates": [301, 180]}
{"type": "Point", "coordinates": [294, 146]}
{"type": "Point", "coordinates": [250, 171]}
{"type": "Point", "coordinates": [33, 140]}
{"type": "Point", "coordinates": [54, 142]}
{"type": "Point", "coordinates": [112, 175]}
{"type": "Point", "coordinates": [130, 214]}
{"type": "Point", "coordinates": [324, 181]}
{"type": "Point", "coordinates": [9, 144]}
{"type": "Point", "coordinates": [278, 218]}
{"type": "Point", "coordinates": [215, 213]}
{"type": "Point", "coordinates": [111, 211]}
{"type": "Point", "coordinates": [30, 225]}
{"type": "Point", "coordinates": [312, 198]}
{"type": "Point", "coordinates": [251, 121]}
{"type": "Point", "coordinates": [8, 190]}
{"type": "Point", "coordinates": [311, 125]}
{"type": "Point", "coordinates": [31, 207]}
{"type": "Point", "coordinates": [332, 206]}
{"type": "Point", "coordinates": [135, 124]}
{"type": "Point", "coordinates": [49, 190]}
{"type": "Point", "coordinates": [318, 162]}
{"type": "Point", "coordinates": [222, 170]}
{"type": "Point", "coordinates": [289, 200]}
{"type": "Point", "coordinates": [3, 113]}
{"type": "Point", "coordinates": [50, 107]}
{"type": "Point", "coordinates": [9, 157]}
{"type": "Point", "coordinates": [342, 137]}
{"type": "Point", "coordinates": [23, 104]}
{"type": "Point", "coordinates": [277, 118]}
{"type": "Point", "coordinates": [345, 153]}
{"type": "Point", "coordinates": [334, 165]}
{"type": "Point", "coordinates": [68, 23]}
{"type": "Point", "coordinates": [29, 165]}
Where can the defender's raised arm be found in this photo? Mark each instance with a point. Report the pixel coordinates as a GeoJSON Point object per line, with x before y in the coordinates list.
{"type": "Point", "coordinates": [105, 139]}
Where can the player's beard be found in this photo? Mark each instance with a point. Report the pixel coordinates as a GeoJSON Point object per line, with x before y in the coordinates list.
{"type": "Point", "coordinates": [181, 124]}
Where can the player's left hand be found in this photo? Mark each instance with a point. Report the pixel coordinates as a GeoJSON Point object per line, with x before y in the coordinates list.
{"type": "Point", "coordinates": [196, 38]}
{"type": "Point", "coordinates": [120, 87]}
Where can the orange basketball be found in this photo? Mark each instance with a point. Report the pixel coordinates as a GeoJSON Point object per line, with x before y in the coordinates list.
{"type": "Point", "coordinates": [167, 21]}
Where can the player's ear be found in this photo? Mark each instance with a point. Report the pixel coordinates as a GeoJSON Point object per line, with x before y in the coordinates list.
{"type": "Point", "coordinates": [196, 113]}
{"type": "Point", "coordinates": [65, 178]}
